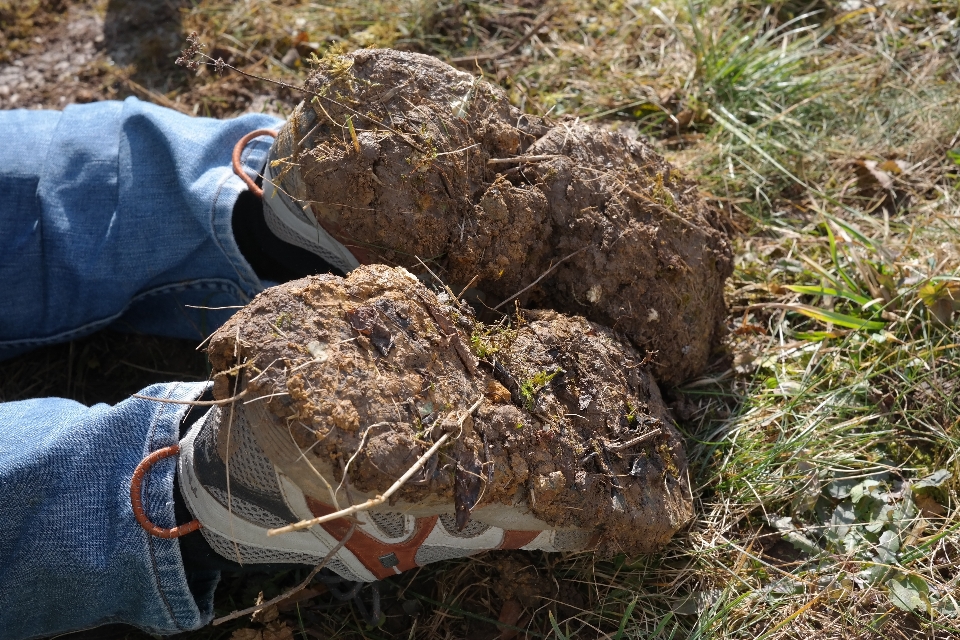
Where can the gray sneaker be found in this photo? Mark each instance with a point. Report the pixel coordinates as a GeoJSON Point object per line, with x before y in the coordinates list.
{"type": "Point", "coordinates": [286, 210]}
{"type": "Point", "coordinates": [238, 495]}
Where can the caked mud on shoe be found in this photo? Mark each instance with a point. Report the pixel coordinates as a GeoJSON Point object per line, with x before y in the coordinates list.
{"type": "Point", "coordinates": [400, 155]}
{"type": "Point", "coordinates": [571, 447]}
{"type": "Point", "coordinates": [236, 516]}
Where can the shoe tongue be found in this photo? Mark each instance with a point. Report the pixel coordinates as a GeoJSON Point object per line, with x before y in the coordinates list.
{"type": "Point", "coordinates": [291, 223]}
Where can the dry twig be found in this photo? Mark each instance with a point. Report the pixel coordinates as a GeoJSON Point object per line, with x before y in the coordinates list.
{"type": "Point", "coordinates": [299, 587]}
{"type": "Point", "coordinates": [489, 57]}
{"type": "Point", "coordinates": [630, 443]}
{"type": "Point", "coordinates": [542, 276]}
{"type": "Point", "coordinates": [380, 499]}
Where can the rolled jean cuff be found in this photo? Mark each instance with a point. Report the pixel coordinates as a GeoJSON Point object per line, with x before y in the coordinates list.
{"type": "Point", "coordinates": [119, 213]}
{"type": "Point", "coordinates": [73, 556]}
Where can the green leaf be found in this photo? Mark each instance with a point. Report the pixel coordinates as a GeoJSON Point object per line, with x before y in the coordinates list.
{"type": "Point", "coordinates": [828, 291]}
{"type": "Point", "coordinates": [839, 319]}
{"type": "Point", "coordinates": [556, 627]}
{"type": "Point", "coordinates": [696, 603]}
{"type": "Point", "coordinates": [852, 232]}
{"type": "Point", "coordinates": [836, 259]}
{"type": "Point", "coordinates": [873, 574]}
{"type": "Point", "coordinates": [948, 606]}
{"type": "Point", "coordinates": [816, 336]}
{"type": "Point", "coordinates": [932, 485]}
{"type": "Point", "coordinates": [938, 298]}
{"type": "Point", "coordinates": [862, 489]}
{"type": "Point", "coordinates": [841, 488]}
{"type": "Point", "coordinates": [887, 548]}
{"type": "Point", "coordinates": [935, 479]}
{"type": "Point", "coordinates": [909, 593]}
{"type": "Point", "coordinates": [954, 155]}
{"type": "Point", "coordinates": [626, 618]}
{"type": "Point", "coordinates": [841, 522]}
{"type": "Point", "coordinates": [783, 587]}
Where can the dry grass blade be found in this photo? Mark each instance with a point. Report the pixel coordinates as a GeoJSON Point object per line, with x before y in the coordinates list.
{"type": "Point", "coordinates": [197, 403]}
{"type": "Point", "coordinates": [486, 57]}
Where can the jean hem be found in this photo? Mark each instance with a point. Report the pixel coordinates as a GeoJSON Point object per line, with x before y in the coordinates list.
{"type": "Point", "coordinates": [253, 159]}
{"type": "Point", "coordinates": [185, 612]}
{"type": "Point", "coordinates": [211, 284]}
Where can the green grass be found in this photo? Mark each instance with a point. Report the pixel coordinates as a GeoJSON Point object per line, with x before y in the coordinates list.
{"type": "Point", "coordinates": [530, 387]}
{"type": "Point", "coordinates": [824, 446]}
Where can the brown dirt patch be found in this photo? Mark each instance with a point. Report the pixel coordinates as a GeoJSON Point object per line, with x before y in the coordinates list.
{"type": "Point", "coordinates": [55, 53]}
{"type": "Point", "coordinates": [332, 356]}
{"type": "Point", "coordinates": [432, 174]}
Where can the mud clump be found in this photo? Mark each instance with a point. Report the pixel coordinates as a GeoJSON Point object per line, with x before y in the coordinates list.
{"type": "Point", "coordinates": [571, 431]}
{"type": "Point", "coordinates": [403, 156]}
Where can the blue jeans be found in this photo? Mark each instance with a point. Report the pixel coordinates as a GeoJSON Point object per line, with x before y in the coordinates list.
{"type": "Point", "coordinates": [111, 214]}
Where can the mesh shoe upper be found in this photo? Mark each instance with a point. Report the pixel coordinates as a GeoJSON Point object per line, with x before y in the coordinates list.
{"type": "Point", "coordinates": [261, 498]}
{"type": "Point", "coordinates": [285, 210]}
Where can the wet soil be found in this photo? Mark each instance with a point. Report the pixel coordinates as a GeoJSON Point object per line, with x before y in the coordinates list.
{"type": "Point", "coordinates": [572, 426]}
{"type": "Point", "coordinates": [404, 156]}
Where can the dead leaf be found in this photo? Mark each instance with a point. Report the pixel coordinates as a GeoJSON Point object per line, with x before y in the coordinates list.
{"type": "Point", "coordinates": [509, 615]}
{"type": "Point", "coordinates": [267, 614]}
{"type": "Point", "coordinates": [684, 118]}
{"type": "Point", "coordinates": [871, 178]}
{"type": "Point", "coordinates": [365, 320]}
{"type": "Point", "coordinates": [247, 634]}
{"type": "Point", "coordinates": [942, 299]}
{"type": "Point", "coordinates": [776, 289]}
{"type": "Point", "coordinates": [929, 507]}
{"type": "Point", "coordinates": [278, 631]}
{"type": "Point", "coordinates": [878, 180]}
{"type": "Point", "coordinates": [892, 167]}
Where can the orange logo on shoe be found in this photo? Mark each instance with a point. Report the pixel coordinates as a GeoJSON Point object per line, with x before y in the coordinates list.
{"type": "Point", "coordinates": [384, 559]}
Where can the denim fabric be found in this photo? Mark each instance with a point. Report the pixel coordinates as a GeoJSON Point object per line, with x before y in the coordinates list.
{"type": "Point", "coordinates": [111, 214]}
{"type": "Point", "coordinates": [71, 554]}
{"type": "Point", "coordinates": [119, 213]}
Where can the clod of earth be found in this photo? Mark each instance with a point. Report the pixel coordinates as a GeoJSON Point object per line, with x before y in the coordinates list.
{"type": "Point", "coordinates": [405, 156]}
{"type": "Point", "coordinates": [572, 428]}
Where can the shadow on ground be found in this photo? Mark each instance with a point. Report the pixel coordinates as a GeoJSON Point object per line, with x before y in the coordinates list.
{"type": "Point", "coordinates": [146, 36]}
{"type": "Point", "coordinates": [107, 366]}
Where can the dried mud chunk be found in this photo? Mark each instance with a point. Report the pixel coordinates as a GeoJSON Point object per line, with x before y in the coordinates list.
{"type": "Point", "coordinates": [431, 108]}
{"type": "Point", "coordinates": [572, 432]}
{"type": "Point", "coordinates": [587, 397]}
{"type": "Point", "coordinates": [640, 247]}
{"type": "Point", "coordinates": [650, 263]}
{"type": "Point", "coordinates": [500, 236]}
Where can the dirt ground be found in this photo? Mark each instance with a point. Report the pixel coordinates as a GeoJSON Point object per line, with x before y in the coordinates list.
{"type": "Point", "coordinates": [60, 52]}
{"type": "Point", "coordinates": [572, 424]}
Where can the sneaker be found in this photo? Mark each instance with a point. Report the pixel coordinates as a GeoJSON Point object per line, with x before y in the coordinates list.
{"type": "Point", "coordinates": [286, 209]}
{"type": "Point", "coordinates": [238, 495]}
{"type": "Point", "coordinates": [346, 383]}
{"type": "Point", "coordinates": [399, 156]}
